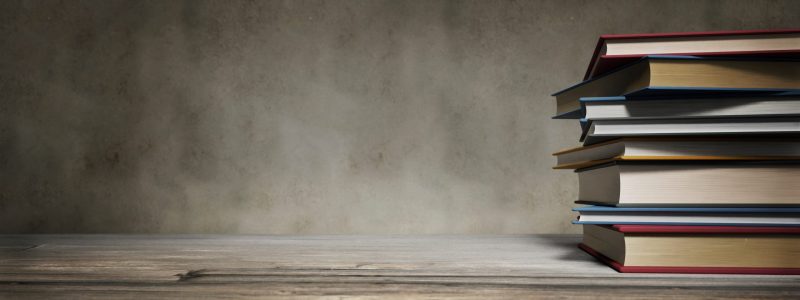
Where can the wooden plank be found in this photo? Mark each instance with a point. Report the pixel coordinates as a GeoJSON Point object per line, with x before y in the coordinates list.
{"type": "Point", "coordinates": [128, 266]}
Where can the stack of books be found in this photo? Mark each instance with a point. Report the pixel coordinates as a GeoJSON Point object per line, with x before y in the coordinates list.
{"type": "Point", "coordinates": [691, 152]}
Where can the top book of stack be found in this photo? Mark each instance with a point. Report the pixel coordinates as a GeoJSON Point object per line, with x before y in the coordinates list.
{"type": "Point", "coordinates": [616, 50]}
{"type": "Point", "coordinates": [739, 63]}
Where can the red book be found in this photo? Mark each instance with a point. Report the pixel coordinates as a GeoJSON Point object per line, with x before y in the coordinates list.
{"type": "Point", "coordinates": [616, 50]}
{"type": "Point", "coordinates": [704, 229]}
{"type": "Point", "coordinates": [686, 270]}
{"type": "Point", "coordinates": [695, 249]}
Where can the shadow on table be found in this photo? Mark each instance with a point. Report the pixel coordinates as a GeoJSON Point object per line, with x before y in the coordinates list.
{"type": "Point", "coordinates": [567, 246]}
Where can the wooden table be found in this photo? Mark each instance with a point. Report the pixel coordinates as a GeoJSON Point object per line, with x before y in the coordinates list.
{"type": "Point", "coordinates": [191, 266]}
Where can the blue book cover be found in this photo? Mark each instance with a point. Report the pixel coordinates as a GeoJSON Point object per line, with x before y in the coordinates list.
{"type": "Point", "coordinates": [705, 216]}
{"type": "Point", "coordinates": [584, 125]}
{"type": "Point", "coordinates": [668, 93]}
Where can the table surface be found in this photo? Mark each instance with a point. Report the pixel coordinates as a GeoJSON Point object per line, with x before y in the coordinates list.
{"type": "Point", "coordinates": [220, 266]}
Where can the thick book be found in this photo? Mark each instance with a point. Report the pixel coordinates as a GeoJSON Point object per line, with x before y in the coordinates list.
{"type": "Point", "coordinates": [695, 249]}
{"type": "Point", "coordinates": [597, 131]}
{"type": "Point", "coordinates": [707, 216]}
{"type": "Point", "coordinates": [686, 75]}
{"type": "Point", "coordinates": [702, 183]}
{"type": "Point", "coordinates": [679, 149]}
{"type": "Point", "coordinates": [613, 51]}
{"type": "Point", "coordinates": [730, 106]}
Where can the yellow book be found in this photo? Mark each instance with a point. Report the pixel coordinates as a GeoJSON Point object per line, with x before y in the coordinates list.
{"type": "Point", "coordinates": [680, 148]}
{"type": "Point", "coordinates": [700, 249]}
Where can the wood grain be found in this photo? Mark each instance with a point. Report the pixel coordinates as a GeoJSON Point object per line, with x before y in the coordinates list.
{"type": "Point", "coordinates": [543, 266]}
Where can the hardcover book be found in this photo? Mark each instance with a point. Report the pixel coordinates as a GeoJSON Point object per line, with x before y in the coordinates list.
{"type": "Point", "coordinates": [625, 108]}
{"type": "Point", "coordinates": [615, 50]}
{"type": "Point", "coordinates": [715, 216]}
{"type": "Point", "coordinates": [597, 131]}
{"type": "Point", "coordinates": [695, 249]}
{"type": "Point", "coordinates": [685, 75]}
{"type": "Point", "coordinates": [686, 183]}
{"type": "Point", "coordinates": [679, 149]}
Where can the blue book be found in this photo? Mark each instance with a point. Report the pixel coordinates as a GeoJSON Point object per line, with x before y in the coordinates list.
{"type": "Point", "coordinates": [710, 216]}
{"type": "Point", "coordinates": [664, 76]}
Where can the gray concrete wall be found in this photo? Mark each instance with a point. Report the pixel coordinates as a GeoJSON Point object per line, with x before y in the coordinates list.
{"type": "Point", "coordinates": [305, 116]}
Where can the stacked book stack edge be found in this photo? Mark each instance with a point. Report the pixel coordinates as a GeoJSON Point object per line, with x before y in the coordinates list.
{"type": "Point", "coordinates": [690, 160]}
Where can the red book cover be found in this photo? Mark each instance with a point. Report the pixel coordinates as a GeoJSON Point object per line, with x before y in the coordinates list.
{"type": "Point", "coordinates": [603, 63]}
{"type": "Point", "coordinates": [705, 229]}
{"type": "Point", "coordinates": [686, 270]}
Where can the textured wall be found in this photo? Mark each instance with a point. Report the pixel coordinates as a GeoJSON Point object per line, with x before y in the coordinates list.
{"type": "Point", "coordinates": [305, 117]}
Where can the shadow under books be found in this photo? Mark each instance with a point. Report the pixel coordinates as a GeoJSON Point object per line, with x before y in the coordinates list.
{"type": "Point", "coordinates": [568, 248]}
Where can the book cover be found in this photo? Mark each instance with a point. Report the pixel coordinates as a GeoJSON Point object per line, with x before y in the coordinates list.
{"type": "Point", "coordinates": [693, 216]}
{"type": "Point", "coordinates": [601, 64]}
{"type": "Point", "coordinates": [690, 209]}
{"type": "Point", "coordinates": [671, 229]}
{"type": "Point", "coordinates": [686, 270]}
{"type": "Point", "coordinates": [655, 90]}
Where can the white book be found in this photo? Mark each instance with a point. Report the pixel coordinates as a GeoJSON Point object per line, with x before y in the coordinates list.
{"type": "Point", "coordinates": [603, 130]}
{"type": "Point", "coordinates": [720, 216]}
{"type": "Point", "coordinates": [690, 184]}
{"type": "Point", "coordinates": [621, 108]}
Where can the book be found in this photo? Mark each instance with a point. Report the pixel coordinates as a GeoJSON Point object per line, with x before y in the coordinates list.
{"type": "Point", "coordinates": [663, 75]}
{"type": "Point", "coordinates": [616, 108]}
{"type": "Point", "coordinates": [680, 149]}
{"type": "Point", "coordinates": [615, 50]}
{"type": "Point", "coordinates": [717, 216]}
{"type": "Point", "coordinates": [603, 130]}
{"type": "Point", "coordinates": [703, 183]}
{"type": "Point", "coordinates": [695, 249]}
